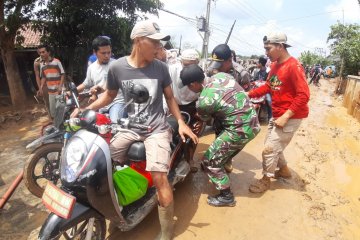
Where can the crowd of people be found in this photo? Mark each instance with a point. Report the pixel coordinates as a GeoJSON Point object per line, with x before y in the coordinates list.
{"type": "Point", "coordinates": [177, 83]}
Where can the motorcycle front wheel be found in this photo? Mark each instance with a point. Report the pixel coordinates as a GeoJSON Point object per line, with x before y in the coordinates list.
{"type": "Point", "coordinates": [79, 231]}
{"type": "Point", "coordinates": [42, 166]}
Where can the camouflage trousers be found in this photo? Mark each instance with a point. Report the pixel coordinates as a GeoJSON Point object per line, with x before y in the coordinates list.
{"type": "Point", "coordinates": [226, 145]}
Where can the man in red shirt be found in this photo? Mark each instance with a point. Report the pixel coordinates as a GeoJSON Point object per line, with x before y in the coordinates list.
{"type": "Point", "coordinates": [286, 82]}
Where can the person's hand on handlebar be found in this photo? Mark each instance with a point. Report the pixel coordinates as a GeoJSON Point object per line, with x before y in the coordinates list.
{"type": "Point", "coordinates": [92, 98]}
{"type": "Point", "coordinates": [96, 89]}
{"type": "Point", "coordinates": [76, 112]}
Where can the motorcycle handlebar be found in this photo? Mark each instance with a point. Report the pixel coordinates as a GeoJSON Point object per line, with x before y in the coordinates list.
{"type": "Point", "coordinates": [85, 94]}
{"type": "Point", "coordinates": [140, 126]}
{"type": "Point", "coordinates": [75, 99]}
{"type": "Point", "coordinates": [105, 128]}
{"type": "Point", "coordinates": [114, 128]}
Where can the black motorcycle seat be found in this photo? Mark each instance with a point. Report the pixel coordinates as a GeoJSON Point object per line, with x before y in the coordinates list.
{"type": "Point", "coordinates": [136, 151]}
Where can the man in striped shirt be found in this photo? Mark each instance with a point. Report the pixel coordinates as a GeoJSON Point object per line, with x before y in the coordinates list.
{"type": "Point", "coordinates": [44, 94]}
{"type": "Point", "coordinates": [52, 73]}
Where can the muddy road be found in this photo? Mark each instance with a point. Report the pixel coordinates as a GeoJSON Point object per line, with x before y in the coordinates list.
{"type": "Point", "coordinates": [321, 200]}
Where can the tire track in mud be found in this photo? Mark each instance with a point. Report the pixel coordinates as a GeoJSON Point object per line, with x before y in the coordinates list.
{"type": "Point", "coordinates": [324, 139]}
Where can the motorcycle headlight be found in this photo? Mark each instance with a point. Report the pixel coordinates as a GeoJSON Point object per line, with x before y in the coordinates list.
{"type": "Point", "coordinates": [73, 160]}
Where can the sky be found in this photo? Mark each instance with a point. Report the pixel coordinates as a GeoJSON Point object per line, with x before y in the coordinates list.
{"type": "Point", "coordinates": [306, 23]}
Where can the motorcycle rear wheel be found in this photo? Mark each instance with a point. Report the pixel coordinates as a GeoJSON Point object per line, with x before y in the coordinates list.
{"type": "Point", "coordinates": [80, 230]}
{"type": "Point", "coordinates": [41, 166]}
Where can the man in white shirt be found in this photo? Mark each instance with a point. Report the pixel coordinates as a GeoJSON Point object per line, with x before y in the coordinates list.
{"type": "Point", "coordinates": [185, 98]}
{"type": "Point", "coordinates": [96, 78]}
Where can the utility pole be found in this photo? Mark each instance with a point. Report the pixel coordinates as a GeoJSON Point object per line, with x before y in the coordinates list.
{"type": "Point", "coordinates": [207, 32]}
{"type": "Point", "coordinates": [320, 51]}
{"type": "Point", "coordinates": [180, 45]}
{"type": "Point", "coordinates": [232, 27]}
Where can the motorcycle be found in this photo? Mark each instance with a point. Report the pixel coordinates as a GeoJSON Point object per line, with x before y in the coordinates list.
{"type": "Point", "coordinates": [315, 78]}
{"type": "Point", "coordinates": [87, 196]}
{"type": "Point", "coordinates": [43, 163]}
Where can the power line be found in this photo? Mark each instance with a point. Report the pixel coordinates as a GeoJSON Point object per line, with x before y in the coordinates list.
{"type": "Point", "coordinates": [238, 39]}
{"type": "Point", "coordinates": [283, 20]}
{"type": "Point", "coordinates": [308, 16]}
{"type": "Point", "coordinates": [252, 12]}
{"type": "Point", "coordinates": [259, 18]}
{"type": "Point", "coordinates": [259, 14]}
{"type": "Point", "coordinates": [186, 18]}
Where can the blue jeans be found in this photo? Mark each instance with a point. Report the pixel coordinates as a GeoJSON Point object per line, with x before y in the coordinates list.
{"type": "Point", "coordinates": [116, 111]}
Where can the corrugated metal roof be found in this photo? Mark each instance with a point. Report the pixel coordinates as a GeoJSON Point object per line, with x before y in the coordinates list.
{"type": "Point", "coordinates": [31, 38]}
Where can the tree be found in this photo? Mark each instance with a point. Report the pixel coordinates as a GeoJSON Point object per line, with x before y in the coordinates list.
{"type": "Point", "coordinates": [309, 58]}
{"type": "Point", "coordinates": [13, 16]}
{"type": "Point", "coordinates": [346, 44]}
{"type": "Point", "coordinates": [254, 57]}
{"type": "Point", "coordinates": [71, 25]}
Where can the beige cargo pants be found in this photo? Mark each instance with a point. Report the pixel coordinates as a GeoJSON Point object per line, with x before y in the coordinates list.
{"type": "Point", "coordinates": [276, 141]}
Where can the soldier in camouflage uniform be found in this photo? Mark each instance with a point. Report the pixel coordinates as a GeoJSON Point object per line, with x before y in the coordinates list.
{"type": "Point", "coordinates": [220, 63]}
{"type": "Point", "coordinates": [223, 99]}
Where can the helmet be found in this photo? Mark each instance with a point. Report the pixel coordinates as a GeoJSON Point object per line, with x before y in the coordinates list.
{"type": "Point", "coordinates": [139, 93]}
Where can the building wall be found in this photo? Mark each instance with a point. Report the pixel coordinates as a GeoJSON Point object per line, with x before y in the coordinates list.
{"type": "Point", "coordinates": [352, 96]}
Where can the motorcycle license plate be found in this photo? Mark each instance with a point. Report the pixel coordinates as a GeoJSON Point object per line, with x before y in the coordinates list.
{"type": "Point", "coordinates": [58, 201]}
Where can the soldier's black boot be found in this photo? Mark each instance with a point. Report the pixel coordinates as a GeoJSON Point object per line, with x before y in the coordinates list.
{"type": "Point", "coordinates": [224, 199]}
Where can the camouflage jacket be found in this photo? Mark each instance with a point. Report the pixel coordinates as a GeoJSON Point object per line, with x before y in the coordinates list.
{"type": "Point", "coordinates": [225, 100]}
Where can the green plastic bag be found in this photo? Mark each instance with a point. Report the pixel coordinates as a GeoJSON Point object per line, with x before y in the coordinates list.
{"type": "Point", "coordinates": [129, 185]}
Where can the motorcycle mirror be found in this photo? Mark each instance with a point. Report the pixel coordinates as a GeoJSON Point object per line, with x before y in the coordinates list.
{"type": "Point", "coordinates": [87, 118]}
{"type": "Point", "coordinates": [139, 93]}
{"type": "Point", "coordinates": [74, 93]}
{"type": "Point", "coordinates": [73, 88]}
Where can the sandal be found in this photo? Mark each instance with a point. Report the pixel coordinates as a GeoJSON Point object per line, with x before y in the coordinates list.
{"type": "Point", "coordinates": [260, 186]}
